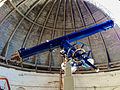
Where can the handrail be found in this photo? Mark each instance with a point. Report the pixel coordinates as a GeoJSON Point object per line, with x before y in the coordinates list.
{"type": "Point", "coordinates": [7, 82]}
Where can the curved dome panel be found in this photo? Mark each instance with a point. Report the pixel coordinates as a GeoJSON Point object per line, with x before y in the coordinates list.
{"type": "Point", "coordinates": [26, 23]}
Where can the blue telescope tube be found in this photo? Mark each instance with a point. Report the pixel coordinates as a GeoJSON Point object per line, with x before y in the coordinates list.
{"type": "Point", "coordinates": [58, 42]}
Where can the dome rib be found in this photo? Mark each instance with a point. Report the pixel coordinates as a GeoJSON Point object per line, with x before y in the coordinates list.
{"type": "Point", "coordinates": [99, 35]}
{"type": "Point", "coordinates": [28, 33]}
{"type": "Point", "coordinates": [41, 20]}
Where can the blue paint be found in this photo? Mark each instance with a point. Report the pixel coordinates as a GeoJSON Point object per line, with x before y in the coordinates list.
{"type": "Point", "coordinates": [60, 42]}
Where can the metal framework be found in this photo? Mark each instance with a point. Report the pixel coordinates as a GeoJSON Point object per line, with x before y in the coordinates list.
{"type": "Point", "coordinates": [16, 27]}
{"type": "Point", "coordinates": [109, 64]}
{"type": "Point", "coordinates": [100, 34]}
{"type": "Point", "coordinates": [83, 22]}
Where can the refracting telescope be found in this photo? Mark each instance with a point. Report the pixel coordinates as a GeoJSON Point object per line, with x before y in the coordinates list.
{"type": "Point", "coordinates": [76, 54]}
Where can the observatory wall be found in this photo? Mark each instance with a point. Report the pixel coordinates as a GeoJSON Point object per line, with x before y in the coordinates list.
{"type": "Point", "coordinates": [45, 81]}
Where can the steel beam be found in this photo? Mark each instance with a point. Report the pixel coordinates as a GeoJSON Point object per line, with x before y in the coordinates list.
{"type": "Point", "coordinates": [49, 28]}
{"type": "Point", "coordinates": [15, 29]}
{"type": "Point", "coordinates": [100, 34]}
{"type": "Point", "coordinates": [83, 23]}
{"type": "Point", "coordinates": [64, 22]}
{"type": "Point", "coordinates": [10, 13]}
{"type": "Point", "coordinates": [45, 22]}
{"type": "Point", "coordinates": [53, 32]}
{"type": "Point", "coordinates": [29, 31]}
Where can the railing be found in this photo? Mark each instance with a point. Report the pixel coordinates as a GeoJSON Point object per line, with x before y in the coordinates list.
{"type": "Point", "coordinates": [3, 82]}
